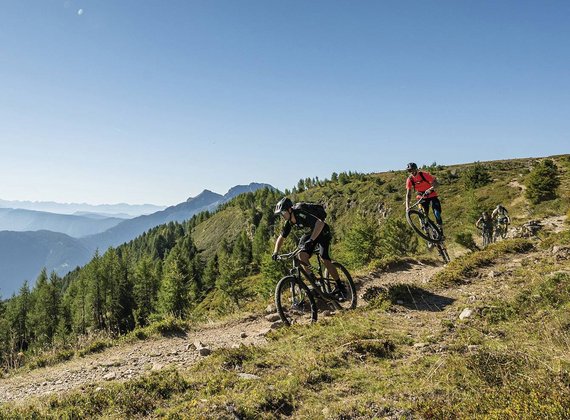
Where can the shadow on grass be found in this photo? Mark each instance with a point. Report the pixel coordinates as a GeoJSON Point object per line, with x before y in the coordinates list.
{"type": "Point", "coordinates": [408, 296]}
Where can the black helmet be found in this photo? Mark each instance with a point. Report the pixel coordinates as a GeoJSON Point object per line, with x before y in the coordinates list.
{"type": "Point", "coordinates": [283, 204]}
{"type": "Point", "coordinates": [412, 167]}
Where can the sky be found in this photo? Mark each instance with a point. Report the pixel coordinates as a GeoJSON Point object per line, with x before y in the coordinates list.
{"type": "Point", "coordinates": [148, 101]}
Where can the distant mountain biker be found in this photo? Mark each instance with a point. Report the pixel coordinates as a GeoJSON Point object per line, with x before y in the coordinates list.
{"type": "Point", "coordinates": [485, 223]}
{"type": "Point", "coordinates": [320, 234]}
{"type": "Point", "coordinates": [423, 182]}
{"type": "Point", "coordinates": [500, 214]}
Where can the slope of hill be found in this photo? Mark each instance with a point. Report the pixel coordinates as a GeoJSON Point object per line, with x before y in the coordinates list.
{"type": "Point", "coordinates": [24, 254]}
{"type": "Point", "coordinates": [73, 225]}
{"type": "Point", "coordinates": [397, 348]}
{"type": "Point", "coordinates": [130, 229]}
{"type": "Point", "coordinates": [412, 349]}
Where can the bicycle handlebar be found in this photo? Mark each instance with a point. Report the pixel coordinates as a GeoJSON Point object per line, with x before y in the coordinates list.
{"type": "Point", "coordinates": [289, 255]}
{"type": "Point", "coordinates": [422, 196]}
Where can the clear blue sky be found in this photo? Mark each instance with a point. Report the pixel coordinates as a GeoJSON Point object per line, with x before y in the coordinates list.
{"type": "Point", "coordinates": [142, 101]}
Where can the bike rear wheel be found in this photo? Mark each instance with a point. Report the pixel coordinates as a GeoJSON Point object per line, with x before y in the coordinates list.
{"type": "Point", "coordinates": [346, 297]}
{"type": "Point", "coordinates": [294, 301]}
{"type": "Point", "coordinates": [423, 226]}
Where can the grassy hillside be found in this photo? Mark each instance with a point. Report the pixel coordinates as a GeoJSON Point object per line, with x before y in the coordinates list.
{"type": "Point", "coordinates": [390, 358]}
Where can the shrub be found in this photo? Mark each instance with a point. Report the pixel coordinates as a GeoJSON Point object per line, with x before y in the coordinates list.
{"type": "Point", "coordinates": [397, 239]}
{"type": "Point", "coordinates": [542, 182]}
{"type": "Point", "coordinates": [476, 176]}
{"type": "Point", "coordinates": [362, 241]}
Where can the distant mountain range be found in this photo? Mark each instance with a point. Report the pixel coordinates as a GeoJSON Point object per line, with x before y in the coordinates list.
{"type": "Point", "coordinates": [73, 225]}
{"type": "Point", "coordinates": [131, 210]}
{"type": "Point", "coordinates": [24, 254]}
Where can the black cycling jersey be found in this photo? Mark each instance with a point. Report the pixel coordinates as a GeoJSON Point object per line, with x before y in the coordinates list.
{"type": "Point", "coordinates": [304, 220]}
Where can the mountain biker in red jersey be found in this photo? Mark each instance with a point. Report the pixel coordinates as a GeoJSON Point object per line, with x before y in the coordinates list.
{"type": "Point", "coordinates": [423, 182]}
{"type": "Point", "coordinates": [320, 235]}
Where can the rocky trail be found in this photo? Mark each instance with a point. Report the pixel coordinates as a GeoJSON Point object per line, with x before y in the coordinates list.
{"type": "Point", "coordinates": [420, 310]}
{"type": "Point", "coordinates": [128, 361]}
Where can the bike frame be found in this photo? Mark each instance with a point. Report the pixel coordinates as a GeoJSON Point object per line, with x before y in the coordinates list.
{"type": "Point", "coordinates": [298, 269]}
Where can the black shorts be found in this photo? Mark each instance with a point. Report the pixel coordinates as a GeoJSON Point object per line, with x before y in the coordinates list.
{"type": "Point", "coordinates": [321, 245]}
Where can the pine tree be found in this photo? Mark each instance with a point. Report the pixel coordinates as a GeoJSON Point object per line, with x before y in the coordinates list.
{"type": "Point", "coordinates": [476, 176]}
{"type": "Point", "coordinates": [542, 182]}
{"type": "Point", "coordinates": [44, 313]}
{"type": "Point", "coordinates": [173, 295]}
{"type": "Point", "coordinates": [146, 284]}
{"type": "Point", "coordinates": [362, 241]}
{"type": "Point", "coordinates": [397, 239]}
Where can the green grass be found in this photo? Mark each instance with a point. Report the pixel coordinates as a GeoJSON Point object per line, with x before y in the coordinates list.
{"type": "Point", "coordinates": [462, 268]}
{"type": "Point", "coordinates": [512, 362]}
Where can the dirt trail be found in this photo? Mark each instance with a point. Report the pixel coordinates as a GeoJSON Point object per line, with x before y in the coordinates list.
{"type": "Point", "coordinates": [129, 361]}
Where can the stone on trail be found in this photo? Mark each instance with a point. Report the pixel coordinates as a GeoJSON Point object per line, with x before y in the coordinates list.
{"type": "Point", "coordinates": [272, 317]}
{"type": "Point", "coordinates": [466, 313]}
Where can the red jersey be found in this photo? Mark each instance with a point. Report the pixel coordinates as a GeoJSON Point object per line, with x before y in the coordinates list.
{"type": "Point", "coordinates": [421, 184]}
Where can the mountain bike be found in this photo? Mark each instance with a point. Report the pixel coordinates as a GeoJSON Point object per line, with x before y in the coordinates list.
{"type": "Point", "coordinates": [296, 301]}
{"type": "Point", "coordinates": [500, 229]}
{"type": "Point", "coordinates": [487, 235]}
{"type": "Point", "coordinates": [426, 228]}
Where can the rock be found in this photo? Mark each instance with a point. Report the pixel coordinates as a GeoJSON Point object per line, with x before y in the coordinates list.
{"type": "Point", "coordinates": [277, 324]}
{"type": "Point", "coordinates": [272, 317]}
{"type": "Point", "coordinates": [327, 313]}
{"type": "Point", "coordinates": [204, 351]}
{"type": "Point", "coordinates": [98, 389]}
{"type": "Point", "coordinates": [110, 376]}
{"type": "Point", "coordinates": [173, 352]}
{"type": "Point", "coordinates": [248, 376]}
{"type": "Point", "coordinates": [491, 274]}
{"type": "Point", "coordinates": [466, 313]}
{"type": "Point", "coordinates": [157, 366]}
{"type": "Point", "coordinates": [198, 344]}
{"type": "Point", "coordinates": [58, 382]}
{"type": "Point", "coordinates": [243, 335]}
{"type": "Point", "coordinates": [264, 332]}
{"type": "Point", "coordinates": [420, 345]}
{"type": "Point", "coordinates": [270, 309]}
{"type": "Point", "coordinates": [190, 347]}
{"type": "Point", "coordinates": [472, 347]}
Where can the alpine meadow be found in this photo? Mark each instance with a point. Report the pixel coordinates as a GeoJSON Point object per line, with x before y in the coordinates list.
{"type": "Point", "coordinates": [178, 323]}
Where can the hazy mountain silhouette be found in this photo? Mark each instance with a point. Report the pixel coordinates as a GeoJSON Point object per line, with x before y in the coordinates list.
{"type": "Point", "coordinates": [24, 254]}
{"type": "Point", "coordinates": [132, 210]}
{"type": "Point", "coordinates": [73, 225]}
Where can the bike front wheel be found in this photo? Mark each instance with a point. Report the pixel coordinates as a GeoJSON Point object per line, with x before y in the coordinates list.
{"type": "Point", "coordinates": [442, 250]}
{"type": "Point", "coordinates": [294, 301]}
{"type": "Point", "coordinates": [423, 226]}
{"type": "Point", "coordinates": [343, 293]}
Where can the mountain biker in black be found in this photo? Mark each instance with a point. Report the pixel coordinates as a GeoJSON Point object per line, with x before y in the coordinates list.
{"type": "Point", "coordinates": [320, 235]}
{"type": "Point", "coordinates": [485, 223]}
{"type": "Point", "coordinates": [423, 182]}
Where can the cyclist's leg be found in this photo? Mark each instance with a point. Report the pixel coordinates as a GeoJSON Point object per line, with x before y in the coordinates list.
{"type": "Point", "coordinates": [306, 252]}
{"type": "Point", "coordinates": [425, 206]}
{"type": "Point", "coordinates": [436, 206]}
{"type": "Point", "coordinates": [324, 253]}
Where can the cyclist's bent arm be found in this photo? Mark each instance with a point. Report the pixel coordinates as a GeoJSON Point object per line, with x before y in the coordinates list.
{"type": "Point", "coordinates": [408, 194]}
{"type": "Point", "coordinates": [435, 184]}
{"type": "Point", "coordinates": [318, 229]}
{"type": "Point", "coordinates": [278, 244]}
